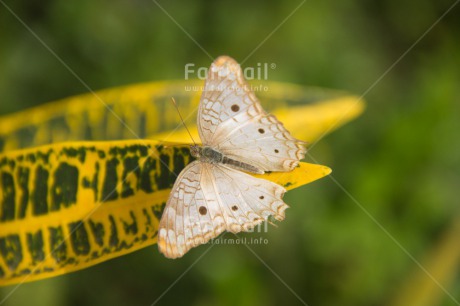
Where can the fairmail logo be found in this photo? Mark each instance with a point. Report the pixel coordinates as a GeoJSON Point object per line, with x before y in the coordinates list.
{"type": "Point", "coordinates": [259, 72]}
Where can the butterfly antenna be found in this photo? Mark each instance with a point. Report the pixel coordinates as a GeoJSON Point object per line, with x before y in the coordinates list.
{"type": "Point", "coordinates": [183, 122]}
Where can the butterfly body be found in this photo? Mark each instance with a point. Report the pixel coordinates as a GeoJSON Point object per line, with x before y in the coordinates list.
{"type": "Point", "coordinates": [215, 193]}
{"type": "Point", "coordinates": [206, 154]}
{"type": "Point", "coordinates": [210, 155]}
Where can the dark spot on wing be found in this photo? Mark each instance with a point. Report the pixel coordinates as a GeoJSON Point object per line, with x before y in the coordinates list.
{"type": "Point", "coordinates": [261, 197]}
{"type": "Point", "coordinates": [235, 108]}
{"type": "Point", "coordinates": [276, 151]}
{"type": "Point", "coordinates": [234, 208]}
{"type": "Point", "coordinates": [203, 210]}
{"type": "Point", "coordinates": [261, 131]}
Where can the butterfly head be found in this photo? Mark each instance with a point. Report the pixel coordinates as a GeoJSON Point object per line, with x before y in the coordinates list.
{"type": "Point", "coordinates": [195, 151]}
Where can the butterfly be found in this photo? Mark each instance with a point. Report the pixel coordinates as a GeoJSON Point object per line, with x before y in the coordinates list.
{"type": "Point", "coordinates": [215, 193]}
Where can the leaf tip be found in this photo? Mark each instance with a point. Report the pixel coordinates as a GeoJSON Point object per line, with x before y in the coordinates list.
{"type": "Point", "coordinates": [326, 170]}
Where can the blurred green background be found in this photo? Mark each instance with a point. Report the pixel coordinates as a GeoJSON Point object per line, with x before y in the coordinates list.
{"type": "Point", "coordinates": [399, 161]}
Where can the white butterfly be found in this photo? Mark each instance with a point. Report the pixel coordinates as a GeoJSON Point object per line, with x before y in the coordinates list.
{"type": "Point", "coordinates": [212, 194]}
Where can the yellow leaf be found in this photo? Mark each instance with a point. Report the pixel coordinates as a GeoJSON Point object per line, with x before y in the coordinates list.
{"type": "Point", "coordinates": [145, 111]}
{"type": "Point", "coordinates": [69, 205]}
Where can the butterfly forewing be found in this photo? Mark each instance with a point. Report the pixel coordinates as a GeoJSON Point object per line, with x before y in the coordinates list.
{"type": "Point", "coordinates": [264, 143]}
{"type": "Point", "coordinates": [232, 120]}
{"type": "Point", "coordinates": [225, 95]}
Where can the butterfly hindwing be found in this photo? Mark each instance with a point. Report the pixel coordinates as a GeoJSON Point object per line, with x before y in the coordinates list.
{"type": "Point", "coordinates": [210, 198]}
{"type": "Point", "coordinates": [184, 224]}
{"type": "Point", "coordinates": [248, 200]}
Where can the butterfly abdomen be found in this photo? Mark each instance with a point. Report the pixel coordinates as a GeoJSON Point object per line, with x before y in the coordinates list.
{"type": "Point", "coordinates": [210, 155]}
{"type": "Point", "coordinates": [240, 165]}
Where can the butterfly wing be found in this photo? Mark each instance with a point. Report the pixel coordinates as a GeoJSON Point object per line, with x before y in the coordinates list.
{"type": "Point", "coordinates": [210, 198]}
{"type": "Point", "coordinates": [182, 226]}
{"type": "Point", "coordinates": [232, 120]}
